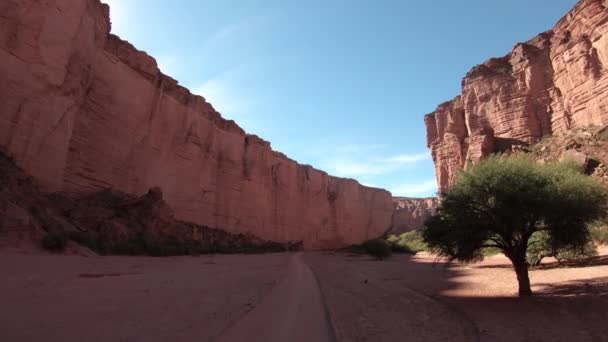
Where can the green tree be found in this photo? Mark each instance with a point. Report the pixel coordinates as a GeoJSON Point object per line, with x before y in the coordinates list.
{"type": "Point", "coordinates": [502, 202]}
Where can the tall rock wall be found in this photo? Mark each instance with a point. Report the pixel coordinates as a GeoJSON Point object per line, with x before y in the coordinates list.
{"type": "Point", "coordinates": [410, 213]}
{"type": "Point", "coordinates": [552, 83]}
{"type": "Point", "coordinates": [82, 110]}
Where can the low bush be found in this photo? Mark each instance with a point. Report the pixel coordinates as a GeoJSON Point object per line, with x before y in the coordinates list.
{"type": "Point", "coordinates": [88, 240]}
{"type": "Point", "coordinates": [539, 247]}
{"type": "Point", "coordinates": [409, 242]}
{"type": "Point", "coordinates": [378, 248]}
{"type": "Point", "coordinates": [401, 249]}
{"type": "Point", "coordinates": [144, 244]}
{"type": "Point", "coordinates": [599, 232]}
{"type": "Point", "coordinates": [55, 241]}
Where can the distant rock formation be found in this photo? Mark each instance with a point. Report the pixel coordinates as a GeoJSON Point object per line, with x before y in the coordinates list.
{"type": "Point", "coordinates": [550, 84]}
{"type": "Point", "coordinates": [410, 213]}
{"type": "Point", "coordinates": [82, 110]}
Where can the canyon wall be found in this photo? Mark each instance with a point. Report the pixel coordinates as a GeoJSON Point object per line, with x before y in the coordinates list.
{"type": "Point", "coordinates": [550, 84]}
{"type": "Point", "coordinates": [410, 213]}
{"type": "Point", "coordinates": [82, 110]}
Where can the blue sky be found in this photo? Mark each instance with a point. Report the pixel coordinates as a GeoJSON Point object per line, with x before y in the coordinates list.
{"type": "Point", "coordinates": [342, 85]}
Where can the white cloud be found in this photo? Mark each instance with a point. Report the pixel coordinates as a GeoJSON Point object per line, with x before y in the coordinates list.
{"type": "Point", "coordinates": [219, 92]}
{"type": "Point", "coordinates": [428, 187]}
{"type": "Point", "coordinates": [222, 34]}
{"type": "Point", "coordinates": [350, 168]}
{"type": "Point", "coordinates": [407, 158]}
{"type": "Point", "coordinates": [222, 91]}
{"type": "Point", "coordinates": [366, 166]}
{"type": "Point", "coordinates": [358, 148]}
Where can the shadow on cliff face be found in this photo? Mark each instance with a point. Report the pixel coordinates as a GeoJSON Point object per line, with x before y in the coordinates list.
{"type": "Point", "coordinates": [109, 222]}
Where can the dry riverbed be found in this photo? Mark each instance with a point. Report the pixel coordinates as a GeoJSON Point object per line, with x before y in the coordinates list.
{"type": "Point", "coordinates": [309, 296]}
{"type": "Point", "coordinates": [74, 298]}
{"type": "Point", "coordinates": [413, 299]}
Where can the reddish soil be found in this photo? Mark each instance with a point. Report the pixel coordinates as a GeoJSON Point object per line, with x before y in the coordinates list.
{"type": "Point", "coordinates": [293, 311]}
{"type": "Point", "coordinates": [412, 299]}
{"type": "Point", "coordinates": [73, 298]}
{"type": "Point", "coordinates": [276, 297]}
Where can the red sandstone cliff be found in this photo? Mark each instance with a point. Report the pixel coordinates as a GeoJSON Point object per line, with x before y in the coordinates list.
{"type": "Point", "coordinates": [410, 213]}
{"type": "Point", "coordinates": [82, 110]}
{"type": "Point", "coordinates": [552, 83]}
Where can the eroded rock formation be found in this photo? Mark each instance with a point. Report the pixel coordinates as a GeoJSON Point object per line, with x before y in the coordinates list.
{"type": "Point", "coordinates": [107, 221]}
{"type": "Point", "coordinates": [82, 110]}
{"type": "Point", "coordinates": [410, 213]}
{"type": "Point", "coordinates": [552, 83]}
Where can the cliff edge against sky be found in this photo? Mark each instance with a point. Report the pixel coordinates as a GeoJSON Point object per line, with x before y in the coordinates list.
{"type": "Point", "coordinates": [550, 84]}
{"type": "Point", "coordinates": [83, 110]}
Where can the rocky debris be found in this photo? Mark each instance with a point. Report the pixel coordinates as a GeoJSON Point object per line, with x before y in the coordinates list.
{"type": "Point", "coordinates": [550, 84]}
{"type": "Point", "coordinates": [83, 111]}
{"type": "Point", "coordinates": [575, 156]}
{"type": "Point", "coordinates": [587, 146]}
{"type": "Point", "coordinates": [109, 221]}
{"type": "Point", "coordinates": [410, 213]}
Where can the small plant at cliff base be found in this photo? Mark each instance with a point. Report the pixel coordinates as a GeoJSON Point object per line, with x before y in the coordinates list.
{"type": "Point", "coordinates": [377, 248]}
{"type": "Point", "coordinates": [55, 241]}
{"type": "Point", "coordinates": [408, 242]}
{"type": "Point", "coordinates": [502, 202]}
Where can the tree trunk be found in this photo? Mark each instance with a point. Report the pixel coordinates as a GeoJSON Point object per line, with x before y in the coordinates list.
{"type": "Point", "coordinates": [521, 269]}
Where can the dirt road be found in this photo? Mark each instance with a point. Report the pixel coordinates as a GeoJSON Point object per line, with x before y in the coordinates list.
{"type": "Point", "coordinates": [408, 298]}
{"type": "Point", "coordinates": [292, 311]}
{"type": "Point", "coordinates": [277, 297]}
{"type": "Point", "coordinates": [271, 297]}
{"type": "Point", "coordinates": [113, 298]}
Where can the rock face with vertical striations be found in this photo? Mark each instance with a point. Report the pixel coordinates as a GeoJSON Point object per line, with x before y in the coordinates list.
{"type": "Point", "coordinates": [82, 110]}
{"type": "Point", "coordinates": [552, 83]}
{"type": "Point", "coordinates": [410, 213]}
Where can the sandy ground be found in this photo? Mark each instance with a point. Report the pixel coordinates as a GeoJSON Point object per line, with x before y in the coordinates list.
{"type": "Point", "coordinates": [293, 311]}
{"type": "Point", "coordinates": [294, 297]}
{"type": "Point", "coordinates": [72, 298]}
{"type": "Point", "coordinates": [412, 299]}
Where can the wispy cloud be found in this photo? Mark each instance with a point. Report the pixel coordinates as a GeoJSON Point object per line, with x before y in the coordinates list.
{"type": "Point", "coordinates": [407, 158]}
{"type": "Point", "coordinates": [168, 65]}
{"type": "Point", "coordinates": [428, 187]}
{"type": "Point", "coordinates": [217, 90]}
{"type": "Point", "coordinates": [223, 33]}
{"type": "Point", "coordinates": [359, 148]}
{"type": "Point", "coordinates": [350, 168]}
{"type": "Point", "coordinates": [374, 166]}
{"type": "Point", "coordinates": [223, 92]}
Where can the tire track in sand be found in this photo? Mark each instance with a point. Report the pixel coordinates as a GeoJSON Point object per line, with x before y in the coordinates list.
{"type": "Point", "coordinates": [293, 311]}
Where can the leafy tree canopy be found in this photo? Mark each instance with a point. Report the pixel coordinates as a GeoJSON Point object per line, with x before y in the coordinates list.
{"type": "Point", "coordinates": [500, 202]}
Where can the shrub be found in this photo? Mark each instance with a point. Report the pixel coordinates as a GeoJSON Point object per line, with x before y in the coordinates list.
{"type": "Point", "coordinates": [503, 202]}
{"type": "Point", "coordinates": [408, 242]}
{"type": "Point", "coordinates": [599, 232]}
{"type": "Point", "coordinates": [540, 247]}
{"type": "Point", "coordinates": [88, 240]}
{"type": "Point", "coordinates": [378, 248]}
{"type": "Point", "coordinates": [55, 241]}
{"type": "Point", "coordinates": [401, 249]}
